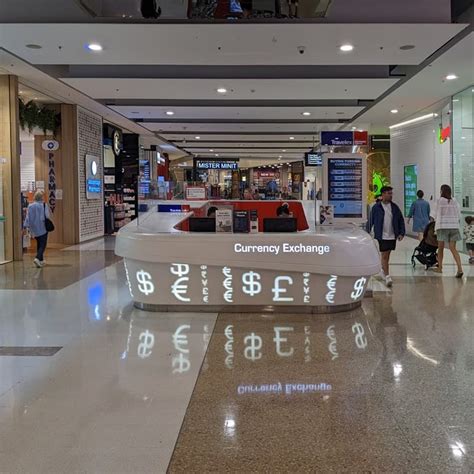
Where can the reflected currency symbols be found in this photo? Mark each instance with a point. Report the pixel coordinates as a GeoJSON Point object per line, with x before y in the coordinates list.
{"type": "Point", "coordinates": [145, 285]}
{"type": "Point", "coordinates": [180, 340]}
{"type": "Point", "coordinates": [147, 341]}
{"type": "Point", "coordinates": [358, 288]}
{"type": "Point", "coordinates": [360, 339]}
{"type": "Point", "coordinates": [255, 344]}
{"type": "Point", "coordinates": [252, 284]}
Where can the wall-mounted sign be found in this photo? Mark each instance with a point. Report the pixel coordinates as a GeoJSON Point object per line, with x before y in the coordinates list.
{"type": "Point", "coordinates": [50, 145]}
{"type": "Point", "coordinates": [117, 142]}
{"type": "Point", "coordinates": [410, 183]}
{"type": "Point", "coordinates": [217, 165]}
{"type": "Point", "coordinates": [196, 193]}
{"type": "Point", "coordinates": [444, 133]}
{"type": "Point", "coordinates": [361, 137]}
{"type": "Point", "coordinates": [93, 179]}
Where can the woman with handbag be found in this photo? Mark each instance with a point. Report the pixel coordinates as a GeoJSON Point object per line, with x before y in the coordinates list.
{"type": "Point", "coordinates": [39, 224]}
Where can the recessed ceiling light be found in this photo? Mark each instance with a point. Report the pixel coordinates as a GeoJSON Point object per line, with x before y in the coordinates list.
{"type": "Point", "coordinates": [94, 47]}
{"type": "Point", "coordinates": [353, 128]}
{"type": "Point", "coordinates": [450, 77]}
{"type": "Point", "coordinates": [217, 154]}
{"type": "Point", "coordinates": [33, 46]}
{"type": "Point", "coordinates": [346, 48]}
{"type": "Point", "coordinates": [279, 157]}
{"type": "Point", "coordinates": [394, 111]}
{"type": "Point", "coordinates": [197, 138]}
{"type": "Point", "coordinates": [222, 90]}
{"type": "Point", "coordinates": [306, 114]}
{"type": "Point", "coordinates": [283, 150]}
{"type": "Point", "coordinates": [211, 150]}
{"type": "Point", "coordinates": [292, 138]}
{"type": "Point", "coordinates": [169, 112]}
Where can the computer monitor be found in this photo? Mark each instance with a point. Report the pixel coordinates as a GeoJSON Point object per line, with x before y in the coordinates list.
{"type": "Point", "coordinates": [280, 224]}
{"type": "Point", "coordinates": [202, 224]}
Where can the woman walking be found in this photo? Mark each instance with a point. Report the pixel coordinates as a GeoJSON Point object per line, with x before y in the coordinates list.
{"type": "Point", "coordinates": [448, 217]}
{"type": "Point", "coordinates": [37, 214]}
{"type": "Point", "coordinates": [420, 212]}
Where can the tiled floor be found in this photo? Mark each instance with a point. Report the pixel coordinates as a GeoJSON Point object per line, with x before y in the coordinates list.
{"type": "Point", "coordinates": [386, 388]}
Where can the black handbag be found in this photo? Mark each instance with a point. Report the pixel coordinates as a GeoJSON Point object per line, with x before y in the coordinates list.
{"type": "Point", "coordinates": [48, 223]}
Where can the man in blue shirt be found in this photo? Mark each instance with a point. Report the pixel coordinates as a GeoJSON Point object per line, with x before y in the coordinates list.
{"type": "Point", "coordinates": [389, 226]}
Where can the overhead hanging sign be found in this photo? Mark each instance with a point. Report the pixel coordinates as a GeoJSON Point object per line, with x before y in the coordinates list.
{"type": "Point", "coordinates": [345, 138]}
{"type": "Point", "coordinates": [217, 165]}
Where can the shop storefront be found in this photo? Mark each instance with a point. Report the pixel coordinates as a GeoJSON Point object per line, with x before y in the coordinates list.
{"type": "Point", "coordinates": [222, 176]}
{"type": "Point", "coordinates": [463, 149]}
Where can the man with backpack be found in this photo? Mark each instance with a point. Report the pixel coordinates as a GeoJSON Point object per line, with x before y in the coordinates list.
{"type": "Point", "coordinates": [389, 226]}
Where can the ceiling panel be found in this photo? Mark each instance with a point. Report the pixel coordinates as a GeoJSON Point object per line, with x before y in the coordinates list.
{"type": "Point", "coordinates": [241, 44]}
{"type": "Point", "coordinates": [237, 89]}
{"type": "Point", "coordinates": [240, 138]}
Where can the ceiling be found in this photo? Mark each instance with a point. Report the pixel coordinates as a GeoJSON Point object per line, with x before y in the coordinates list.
{"type": "Point", "coordinates": [281, 84]}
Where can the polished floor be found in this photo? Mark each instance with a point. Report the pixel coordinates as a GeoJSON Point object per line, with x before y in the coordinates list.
{"type": "Point", "coordinates": [91, 385]}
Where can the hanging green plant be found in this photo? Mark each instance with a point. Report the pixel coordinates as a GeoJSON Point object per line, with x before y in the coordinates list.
{"type": "Point", "coordinates": [31, 116]}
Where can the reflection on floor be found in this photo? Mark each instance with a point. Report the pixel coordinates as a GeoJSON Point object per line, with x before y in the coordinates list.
{"type": "Point", "coordinates": [388, 387]}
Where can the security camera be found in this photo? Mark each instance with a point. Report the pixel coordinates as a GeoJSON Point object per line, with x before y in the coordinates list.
{"type": "Point", "coordinates": [301, 49]}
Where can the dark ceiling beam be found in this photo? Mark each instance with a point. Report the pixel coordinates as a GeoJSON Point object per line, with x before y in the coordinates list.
{"type": "Point", "coordinates": [237, 132]}
{"type": "Point", "coordinates": [235, 103]}
{"type": "Point", "coordinates": [243, 71]}
{"type": "Point", "coordinates": [237, 121]}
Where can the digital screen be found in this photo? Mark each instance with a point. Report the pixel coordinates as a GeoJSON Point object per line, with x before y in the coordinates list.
{"type": "Point", "coordinates": [345, 184]}
{"type": "Point", "coordinates": [93, 186]}
{"type": "Point", "coordinates": [313, 159]}
{"type": "Point", "coordinates": [169, 208]}
{"type": "Point", "coordinates": [410, 186]}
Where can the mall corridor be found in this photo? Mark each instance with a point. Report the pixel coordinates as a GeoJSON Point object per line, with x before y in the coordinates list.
{"type": "Point", "coordinates": [91, 384]}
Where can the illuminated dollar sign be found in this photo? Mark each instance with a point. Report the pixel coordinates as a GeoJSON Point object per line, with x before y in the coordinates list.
{"type": "Point", "coordinates": [360, 339]}
{"type": "Point", "coordinates": [254, 346]}
{"type": "Point", "coordinates": [252, 284]}
{"type": "Point", "coordinates": [359, 286]}
{"type": "Point", "coordinates": [147, 341]}
{"type": "Point", "coordinates": [145, 285]}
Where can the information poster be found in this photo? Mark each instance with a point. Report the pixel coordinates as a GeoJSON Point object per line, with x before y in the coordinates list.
{"type": "Point", "coordinates": [345, 186]}
{"type": "Point", "coordinates": [410, 186]}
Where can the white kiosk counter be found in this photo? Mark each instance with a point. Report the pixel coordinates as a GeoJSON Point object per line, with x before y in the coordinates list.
{"type": "Point", "coordinates": [312, 271]}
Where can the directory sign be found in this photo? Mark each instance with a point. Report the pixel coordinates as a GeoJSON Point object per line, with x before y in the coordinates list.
{"type": "Point", "coordinates": [344, 185]}
{"type": "Point", "coordinates": [410, 186]}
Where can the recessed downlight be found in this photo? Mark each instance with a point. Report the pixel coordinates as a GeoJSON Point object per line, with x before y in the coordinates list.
{"type": "Point", "coordinates": [292, 138]}
{"type": "Point", "coordinates": [283, 151]}
{"type": "Point", "coordinates": [222, 90]}
{"type": "Point", "coordinates": [346, 48]}
{"type": "Point", "coordinates": [211, 150]}
{"type": "Point", "coordinates": [394, 111]}
{"type": "Point", "coordinates": [169, 112]}
{"type": "Point", "coordinates": [197, 138]}
{"type": "Point", "coordinates": [451, 77]}
{"type": "Point", "coordinates": [94, 47]}
{"type": "Point", "coordinates": [306, 114]}
{"type": "Point", "coordinates": [217, 154]}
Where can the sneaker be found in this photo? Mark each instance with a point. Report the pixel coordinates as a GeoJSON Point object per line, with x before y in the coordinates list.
{"type": "Point", "coordinates": [37, 263]}
{"type": "Point", "coordinates": [388, 281]}
{"type": "Point", "coordinates": [381, 275]}
{"type": "Point", "coordinates": [43, 263]}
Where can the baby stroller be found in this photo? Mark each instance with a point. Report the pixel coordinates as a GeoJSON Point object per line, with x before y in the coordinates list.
{"type": "Point", "coordinates": [425, 252]}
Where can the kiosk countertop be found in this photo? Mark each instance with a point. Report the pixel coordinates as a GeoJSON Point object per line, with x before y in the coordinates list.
{"type": "Point", "coordinates": [167, 266]}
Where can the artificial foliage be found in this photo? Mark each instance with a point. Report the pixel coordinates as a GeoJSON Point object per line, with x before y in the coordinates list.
{"type": "Point", "coordinates": [32, 115]}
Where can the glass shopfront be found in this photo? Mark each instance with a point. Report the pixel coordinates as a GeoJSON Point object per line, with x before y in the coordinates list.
{"type": "Point", "coordinates": [463, 149]}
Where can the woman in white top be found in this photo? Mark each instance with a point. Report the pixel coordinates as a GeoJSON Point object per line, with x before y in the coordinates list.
{"type": "Point", "coordinates": [448, 217]}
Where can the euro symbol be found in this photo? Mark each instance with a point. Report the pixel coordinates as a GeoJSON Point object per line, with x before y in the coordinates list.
{"type": "Point", "coordinates": [331, 285]}
{"type": "Point", "coordinates": [252, 285]}
{"type": "Point", "coordinates": [145, 285]}
{"type": "Point", "coordinates": [331, 334]}
{"type": "Point", "coordinates": [359, 286]}
{"type": "Point", "coordinates": [179, 289]}
{"type": "Point", "coordinates": [181, 339]}
{"type": "Point", "coordinates": [360, 339]}
{"type": "Point", "coordinates": [147, 341]}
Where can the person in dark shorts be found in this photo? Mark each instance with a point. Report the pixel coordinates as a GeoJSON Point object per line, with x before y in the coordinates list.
{"type": "Point", "coordinates": [389, 226]}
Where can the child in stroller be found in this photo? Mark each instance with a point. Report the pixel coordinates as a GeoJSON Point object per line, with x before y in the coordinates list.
{"type": "Point", "coordinates": [425, 252]}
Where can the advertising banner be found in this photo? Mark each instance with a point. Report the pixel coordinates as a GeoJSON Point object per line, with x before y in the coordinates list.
{"type": "Point", "coordinates": [410, 186]}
